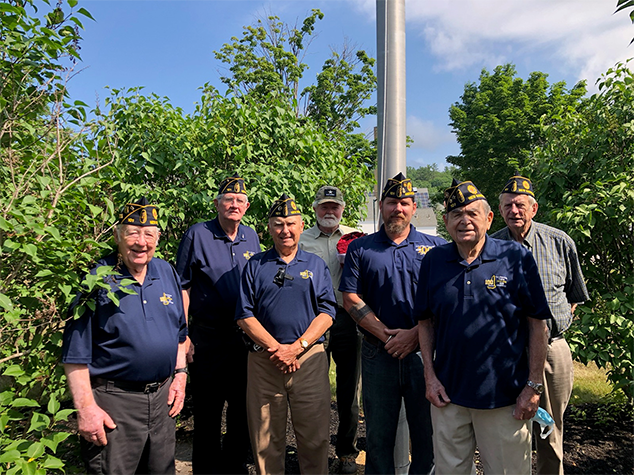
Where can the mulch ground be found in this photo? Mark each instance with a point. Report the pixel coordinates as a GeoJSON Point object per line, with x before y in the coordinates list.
{"type": "Point", "coordinates": [596, 442]}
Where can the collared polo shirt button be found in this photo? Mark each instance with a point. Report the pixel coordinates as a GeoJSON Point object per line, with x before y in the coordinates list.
{"type": "Point", "coordinates": [145, 301]}
{"type": "Point", "coordinates": [468, 282]}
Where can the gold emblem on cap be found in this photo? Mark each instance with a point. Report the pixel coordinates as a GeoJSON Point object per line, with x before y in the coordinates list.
{"type": "Point", "coordinates": [293, 205]}
{"type": "Point", "coordinates": [143, 216]}
{"type": "Point", "coordinates": [526, 185]}
{"type": "Point", "coordinates": [472, 189]}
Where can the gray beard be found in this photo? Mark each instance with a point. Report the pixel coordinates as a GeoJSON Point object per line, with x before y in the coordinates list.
{"type": "Point", "coordinates": [328, 222]}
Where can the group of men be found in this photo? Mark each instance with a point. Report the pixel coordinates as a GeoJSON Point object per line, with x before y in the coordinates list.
{"type": "Point", "coordinates": [457, 332]}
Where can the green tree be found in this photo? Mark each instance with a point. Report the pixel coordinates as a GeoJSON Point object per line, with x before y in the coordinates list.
{"type": "Point", "coordinates": [270, 58]}
{"type": "Point", "coordinates": [497, 124]}
{"type": "Point", "coordinates": [52, 221]}
{"type": "Point", "coordinates": [586, 173]}
{"type": "Point", "coordinates": [179, 160]}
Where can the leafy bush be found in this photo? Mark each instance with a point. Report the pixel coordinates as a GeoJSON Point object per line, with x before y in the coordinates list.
{"type": "Point", "coordinates": [586, 171]}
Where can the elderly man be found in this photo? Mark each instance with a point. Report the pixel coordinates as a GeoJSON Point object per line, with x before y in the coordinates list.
{"type": "Point", "coordinates": [481, 305]}
{"type": "Point", "coordinates": [210, 260]}
{"type": "Point", "coordinates": [556, 256]}
{"type": "Point", "coordinates": [125, 360]}
{"type": "Point", "coordinates": [286, 305]}
{"type": "Point", "coordinates": [344, 343]}
{"type": "Point", "coordinates": [379, 284]}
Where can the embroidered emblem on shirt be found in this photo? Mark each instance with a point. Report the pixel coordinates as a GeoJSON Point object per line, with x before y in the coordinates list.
{"type": "Point", "coordinates": [306, 274]}
{"type": "Point", "coordinates": [166, 299]}
{"type": "Point", "coordinates": [247, 255]}
{"type": "Point", "coordinates": [422, 250]}
{"type": "Point", "coordinates": [495, 281]}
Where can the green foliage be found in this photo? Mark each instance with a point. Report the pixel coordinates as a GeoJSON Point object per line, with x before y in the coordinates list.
{"type": "Point", "coordinates": [436, 181]}
{"type": "Point", "coordinates": [268, 59]}
{"type": "Point", "coordinates": [180, 159]}
{"type": "Point", "coordinates": [498, 124]}
{"type": "Point", "coordinates": [62, 178]}
{"type": "Point", "coordinates": [586, 172]}
{"type": "Point", "coordinates": [624, 4]}
{"type": "Point", "coordinates": [52, 217]}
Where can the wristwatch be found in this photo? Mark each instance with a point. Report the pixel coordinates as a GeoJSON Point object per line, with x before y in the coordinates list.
{"type": "Point", "coordinates": [181, 370]}
{"type": "Point", "coordinates": [303, 342]}
{"type": "Point", "coordinates": [537, 387]}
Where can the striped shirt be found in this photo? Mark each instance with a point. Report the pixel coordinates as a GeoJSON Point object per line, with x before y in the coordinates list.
{"type": "Point", "coordinates": [556, 256]}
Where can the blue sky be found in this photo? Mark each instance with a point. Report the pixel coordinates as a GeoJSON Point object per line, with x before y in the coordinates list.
{"type": "Point", "coordinates": [167, 47]}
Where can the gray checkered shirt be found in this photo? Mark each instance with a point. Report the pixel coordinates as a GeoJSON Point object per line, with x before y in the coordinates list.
{"type": "Point", "coordinates": [556, 256]}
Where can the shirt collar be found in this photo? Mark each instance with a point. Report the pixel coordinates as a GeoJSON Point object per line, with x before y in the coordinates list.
{"type": "Point", "coordinates": [272, 255]}
{"type": "Point", "coordinates": [529, 240]}
{"type": "Point", "coordinates": [488, 253]}
{"type": "Point", "coordinates": [220, 233]}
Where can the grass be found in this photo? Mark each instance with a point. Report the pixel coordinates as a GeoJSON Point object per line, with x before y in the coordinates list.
{"type": "Point", "coordinates": [591, 385]}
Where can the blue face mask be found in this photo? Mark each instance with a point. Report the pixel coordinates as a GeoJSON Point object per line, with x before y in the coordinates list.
{"type": "Point", "coordinates": [545, 421]}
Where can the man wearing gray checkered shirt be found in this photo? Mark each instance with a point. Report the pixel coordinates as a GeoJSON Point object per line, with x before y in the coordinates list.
{"type": "Point", "coordinates": [556, 256]}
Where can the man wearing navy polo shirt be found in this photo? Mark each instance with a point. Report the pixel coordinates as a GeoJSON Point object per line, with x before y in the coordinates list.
{"type": "Point", "coordinates": [286, 305]}
{"type": "Point", "coordinates": [210, 260]}
{"type": "Point", "coordinates": [481, 304]}
{"type": "Point", "coordinates": [119, 358]}
{"type": "Point", "coordinates": [379, 282]}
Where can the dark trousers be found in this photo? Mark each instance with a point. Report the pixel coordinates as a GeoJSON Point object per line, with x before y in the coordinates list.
{"type": "Point", "coordinates": [218, 374]}
{"type": "Point", "coordinates": [144, 439]}
{"type": "Point", "coordinates": [345, 347]}
{"type": "Point", "coordinates": [386, 382]}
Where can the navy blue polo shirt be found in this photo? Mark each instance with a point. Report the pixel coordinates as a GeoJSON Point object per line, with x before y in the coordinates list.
{"type": "Point", "coordinates": [137, 340]}
{"type": "Point", "coordinates": [385, 274]}
{"type": "Point", "coordinates": [286, 309]}
{"type": "Point", "coordinates": [480, 313]}
{"type": "Point", "coordinates": [210, 264]}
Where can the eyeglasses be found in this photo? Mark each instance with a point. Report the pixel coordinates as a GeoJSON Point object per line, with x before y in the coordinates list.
{"type": "Point", "coordinates": [134, 235]}
{"type": "Point", "coordinates": [238, 200]}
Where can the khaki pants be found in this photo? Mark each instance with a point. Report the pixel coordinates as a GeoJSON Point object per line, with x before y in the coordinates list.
{"type": "Point", "coordinates": [503, 441]}
{"type": "Point", "coordinates": [307, 392]}
{"type": "Point", "coordinates": [558, 379]}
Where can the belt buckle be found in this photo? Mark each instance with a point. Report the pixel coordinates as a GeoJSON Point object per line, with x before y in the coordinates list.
{"type": "Point", "coordinates": [151, 388]}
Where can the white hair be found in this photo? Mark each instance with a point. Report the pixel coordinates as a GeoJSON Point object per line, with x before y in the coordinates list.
{"type": "Point", "coordinates": [531, 200]}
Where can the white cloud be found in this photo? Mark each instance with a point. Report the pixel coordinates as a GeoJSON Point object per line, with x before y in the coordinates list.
{"type": "Point", "coordinates": [583, 37]}
{"type": "Point", "coordinates": [427, 135]}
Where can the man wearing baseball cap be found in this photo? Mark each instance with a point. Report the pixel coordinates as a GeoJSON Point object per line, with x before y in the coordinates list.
{"type": "Point", "coordinates": [345, 341]}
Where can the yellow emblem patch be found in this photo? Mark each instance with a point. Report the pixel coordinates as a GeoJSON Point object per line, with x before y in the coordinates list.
{"type": "Point", "coordinates": [143, 217]}
{"type": "Point", "coordinates": [495, 282]}
{"type": "Point", "coordinates": [422, 250]}
{"type": "Point", "coordinates": [166, 299]}
{"type": "Point", "coordinates": [247, 255]}
{"type": "Point", "coordinates": [306, 274]}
